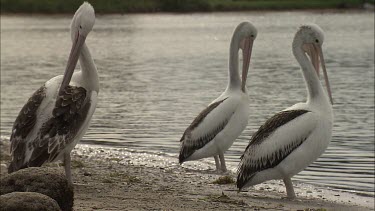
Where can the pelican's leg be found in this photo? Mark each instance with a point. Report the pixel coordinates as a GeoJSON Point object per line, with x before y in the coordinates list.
{"type": "Point", "coordinates": [289, 188]}
{"type": "Point", "coordinates": [217, 163]}
{"type": "Point", "coordinates": [67, 168]}
{"type": "Point", "coordinates": [222, 161]}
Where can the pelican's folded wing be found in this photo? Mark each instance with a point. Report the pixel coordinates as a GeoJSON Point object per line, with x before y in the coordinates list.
{"type": "Point", "coordinates": [22, 127]}
{"type": "Point", "coordinates": [274, 141]}
{"type": "Point", "coordinates": [69, 114]}
{"type": "Point", "coordinates": [70, 111]}
{"type": "Point", "coordinates": [205, 127]}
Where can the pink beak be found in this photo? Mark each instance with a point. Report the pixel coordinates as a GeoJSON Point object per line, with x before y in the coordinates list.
{"type": "Point", "coordinates": [72, 61]}
{"type": "Point", "coordinates": [315, 52]}
{"type": "Point", "coordinates": [246, 55]}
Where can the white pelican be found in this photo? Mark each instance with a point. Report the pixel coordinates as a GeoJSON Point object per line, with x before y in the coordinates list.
{"type": "Point", "coordinates": [292, 139]}
{"type": "Point", "coordinates": [214, 130]}
{"type": "Point", "coordinates": [58, 114]}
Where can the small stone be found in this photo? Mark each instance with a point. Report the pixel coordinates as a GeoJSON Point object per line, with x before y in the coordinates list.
{"type": "Point", "coordinates": [29, 201]}
{"type": "Point", "coordinates": [87, 173]}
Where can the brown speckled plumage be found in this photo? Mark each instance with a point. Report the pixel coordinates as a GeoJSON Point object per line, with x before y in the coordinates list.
{"type": "Point", "coordinates": [69, 114]}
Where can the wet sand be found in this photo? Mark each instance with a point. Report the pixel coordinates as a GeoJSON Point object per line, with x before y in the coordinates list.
{"type": "Point", "coordinates": [118, 179]}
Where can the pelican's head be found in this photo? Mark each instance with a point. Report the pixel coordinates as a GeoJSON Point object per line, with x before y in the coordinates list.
{"type": "Point", "coordinates": [82, 23]}
{"type": "Point", "coordinates": [311, 33]}
{"type": "Point", "coordinates": [311, 37]}
{"type": "Point", "coordinates": [245, 30]}
{"type": "Point", "coordinates": [243, 38]}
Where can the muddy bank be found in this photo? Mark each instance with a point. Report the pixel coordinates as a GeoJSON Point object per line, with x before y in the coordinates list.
{"type": "Point", "coordinates": [119, 179]}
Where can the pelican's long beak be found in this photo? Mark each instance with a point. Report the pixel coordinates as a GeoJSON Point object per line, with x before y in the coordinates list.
{"type": "Point", "coordinates": [246, 55]}
{"type": "Point", "coordinates": [72, 61]}
{"type": "Point", "coordinates": [314, 56]}
{"type": "Point", "coordinates": [315, 52]}
{"type": "Point", "coordinates": [322, 62]}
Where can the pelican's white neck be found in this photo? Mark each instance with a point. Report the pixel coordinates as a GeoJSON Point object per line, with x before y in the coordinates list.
{"type": "Point", "coordinates": [234, 75]}
{"type": "Point", "coordinates": [89, 72]}
{"type": "Point", "coordinates": [314, 87]}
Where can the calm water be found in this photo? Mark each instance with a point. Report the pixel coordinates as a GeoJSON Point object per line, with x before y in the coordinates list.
{"type": "Point", "coordinates": [157, 72]}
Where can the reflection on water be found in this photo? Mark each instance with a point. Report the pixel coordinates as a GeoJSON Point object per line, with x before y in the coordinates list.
{"type": "Point", "coordinates": [157, 72]}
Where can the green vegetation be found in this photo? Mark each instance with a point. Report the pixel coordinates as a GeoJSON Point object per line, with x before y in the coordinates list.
{"type": "Point", "coordinates": [132, 6]}
{"type": "Point", "coordinates": [120, 177]}
{"type": "Point", "coordinates": [74, 164]}
{"type": "Point", "coordinates": [224, 180]}
{"type": "Point", "coordinates": [115, 159]}
{"type": "Point", "coordinates": [224, 199]}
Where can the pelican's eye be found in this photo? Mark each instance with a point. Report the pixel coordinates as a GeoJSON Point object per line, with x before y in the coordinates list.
{"type": "Point", "coordinates": [317, 41]}
{"type": "Point", "coordinates": [252, 35]}
{"type": "Point", "coordinates": [80, 26]}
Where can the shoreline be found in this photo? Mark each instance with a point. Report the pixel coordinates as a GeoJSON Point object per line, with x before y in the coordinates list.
{"type": "Point", "coordinates": [313, 10]}
{"type": "Point", "coordinates": [115, 179]}
{"type": "Point", "coordinates": [178, 6]}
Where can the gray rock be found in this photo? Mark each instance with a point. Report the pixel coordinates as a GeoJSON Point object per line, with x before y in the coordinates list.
{"type": "Point", "coordinates": [48, 181]}
{"type": "Point", "coordinates": [27, 201]}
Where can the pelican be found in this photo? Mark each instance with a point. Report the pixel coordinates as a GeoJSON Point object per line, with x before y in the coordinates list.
{"type": "Point", "coordinates": [214, 130]}
{"type": "Point", "coordinates": [58, 114]}
{"type": "Point", "coordinates": [294, 138]}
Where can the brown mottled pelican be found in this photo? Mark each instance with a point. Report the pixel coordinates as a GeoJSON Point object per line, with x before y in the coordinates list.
{"type": "Point", "coordinates": [58, 114]}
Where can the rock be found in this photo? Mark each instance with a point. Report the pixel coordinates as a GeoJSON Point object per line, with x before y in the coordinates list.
{"type": "Point", "coordinates": [47, 181]}
{"type": "Point", "coordinates": [27, 201]}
